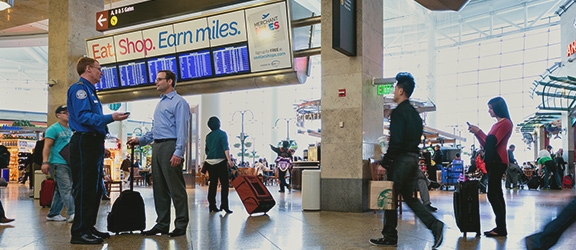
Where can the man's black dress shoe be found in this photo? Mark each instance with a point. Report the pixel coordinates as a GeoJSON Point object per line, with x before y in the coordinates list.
{"type": "Point", "coordinates": [86, 239]}
{"type": "Point", "coordinates": [154, 231]}
{"type": "Point", "coordinates": [99, 234]}
{"type": "Point", "coordinates": [177, 232]}
{"type": "Point", "coordinates": [383, 242]}
{"type": "Point", "coordinates": [438, 232]}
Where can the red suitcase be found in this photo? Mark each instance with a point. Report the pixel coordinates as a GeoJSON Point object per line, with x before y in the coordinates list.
{"type": "Point", "coordinates": [47, 192]}
{"type": "Point", "coordinates": [254, 195]}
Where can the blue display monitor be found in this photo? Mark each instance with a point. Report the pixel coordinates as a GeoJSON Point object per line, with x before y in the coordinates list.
{"type": "Point", "coordinates": [110, 78]}
{"type": "Point", "coordinates": [133, 73]}
{"type": "Point", "coordinates": [231, 60]}
{"type": "Point", "coordinates": [195, 65]}
{"type": "Point", "coordinates": [161, 63]}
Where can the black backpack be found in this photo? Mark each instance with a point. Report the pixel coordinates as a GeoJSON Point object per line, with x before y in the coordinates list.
{"type": "Point", "coordinates": [4, 157]}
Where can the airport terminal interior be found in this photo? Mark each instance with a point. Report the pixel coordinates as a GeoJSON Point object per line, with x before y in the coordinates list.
{"type": "Point", "coordinates": [521, 50]}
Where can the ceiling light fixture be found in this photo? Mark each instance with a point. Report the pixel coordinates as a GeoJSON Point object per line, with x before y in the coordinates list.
{"type": "Point", "coordinates": [6, 4]}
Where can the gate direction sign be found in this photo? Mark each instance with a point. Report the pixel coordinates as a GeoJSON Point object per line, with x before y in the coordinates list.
{"type": "Point", "coordinates": [153, 10]}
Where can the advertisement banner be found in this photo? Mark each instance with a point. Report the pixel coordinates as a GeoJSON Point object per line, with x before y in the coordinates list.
{"type": "Point", "coordinates": [268, 37]}
{"type": "Point", "coordinates": [192, 35]}
{"type": "Point", "coordinates": [130, 46]}
{"type": "Point", "coordinates": [227, 28]}
{"type": "Point", "coordinates": [102, 50]}
{"type": "Point", "coordinates": [163, 40]}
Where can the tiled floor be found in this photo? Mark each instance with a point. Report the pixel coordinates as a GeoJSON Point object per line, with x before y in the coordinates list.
{"type": "Point", "coordinates": [286, 226]}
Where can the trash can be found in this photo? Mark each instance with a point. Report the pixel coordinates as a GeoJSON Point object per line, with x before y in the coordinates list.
{"type": "Point", "coordinates": [311, 189]}
{"type": "Point", "coordinates": [38, 178]}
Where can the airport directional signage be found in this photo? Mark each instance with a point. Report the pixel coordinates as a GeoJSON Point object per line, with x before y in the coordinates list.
{"type": "Point", "coordinates": [153, 10]}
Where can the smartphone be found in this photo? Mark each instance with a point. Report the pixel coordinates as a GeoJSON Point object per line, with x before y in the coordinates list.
{"type": "Point", "coordinates": [468, 123]}
{"type": "Point", "coordinates": [127, 113]}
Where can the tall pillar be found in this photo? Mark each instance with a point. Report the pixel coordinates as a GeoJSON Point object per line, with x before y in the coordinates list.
{"type": "Point", "coordinates": [352, 124]}
{"type": "Point", "coordinates": [568, 142]}
{"type": "Point", "coordinates": [210, 106]}
{"type": "Point", "coordinates": [71, 22]}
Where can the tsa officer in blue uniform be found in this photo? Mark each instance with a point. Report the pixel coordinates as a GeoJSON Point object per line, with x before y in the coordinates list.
{"type": "Point", "coordinates": [87, 150]}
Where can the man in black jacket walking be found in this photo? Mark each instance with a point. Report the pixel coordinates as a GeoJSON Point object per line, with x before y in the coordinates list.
{"type": "Point", "coordinates": [401, 162]}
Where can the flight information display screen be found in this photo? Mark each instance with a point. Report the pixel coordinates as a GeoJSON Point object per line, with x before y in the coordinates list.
{"type": "Point", "coordinates": [195, 65]}
{"type": "Point", "coordinates": [109, 78]}
{"type": "Point", "coordinates": [231, 59]}
{"type": "Point", "coordinates": [161, 63]}
{"type": "Point", "coordinates": [133, 73]}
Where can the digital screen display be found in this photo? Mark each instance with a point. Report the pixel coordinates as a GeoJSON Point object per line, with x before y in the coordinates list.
{"type": "Point", "coordinates": [230, 60]}
{"type": "Point", "coordinates": [195, 65]}
{"type": "Point", "coordinates": [133, 73]}
{"type": "Point", "coordinates": [161, 63]}
{"type": "Point", "coordinates": [109, 78]}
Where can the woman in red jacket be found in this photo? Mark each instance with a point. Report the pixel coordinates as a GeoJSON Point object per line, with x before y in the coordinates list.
{"type": "Point", "coordinates": [496, 159]}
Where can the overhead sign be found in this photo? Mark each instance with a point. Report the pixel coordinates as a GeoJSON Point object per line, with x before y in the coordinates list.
{"type": "Point", "coordinates": [250, 40]}
{"type": "Point", "coordinates": [153, 10]}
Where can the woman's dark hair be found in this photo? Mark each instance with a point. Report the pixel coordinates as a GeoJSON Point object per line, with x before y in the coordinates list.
{"type": "Point", "coordinates": [214, 123]}
{"type": "Point", "coordinates": [499, 107]}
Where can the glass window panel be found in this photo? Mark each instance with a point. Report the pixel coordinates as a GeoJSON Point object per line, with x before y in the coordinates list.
{"type": "Point", "coordinates": [489, 75]}
{"type": "Point", "coordinates": [469, 51]}
{"type": "Point", "coordinates": [468, 78]}
{"type": "Point", "coordinates": [467, 91]}
{"type": "Point", "coordinates": [536, 54]}
{"type": "Point", "coordinates": [511, 86]}
{"type": "Point", "coordinates": [512, 72]}
{"type": "Point", "coordinates": [490, 48]}
{"type": "Point", "coordinates": [489, 89]}
{"type": "Point", "coordinates": [512, 44]}
{"type": "Point", "coordinates": [489, 61]}
{"type": "Point", "coordinates": [534, 69]}
{"type": "Point", "coordinates": [468, 65]}
{"type": "Point", "coordinates": [536, 40]}
{"type": "Point", "coordinates": [512, 58]}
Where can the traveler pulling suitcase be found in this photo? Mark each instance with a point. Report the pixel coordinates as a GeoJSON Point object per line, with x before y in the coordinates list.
{"type": "Point", "coordinates": [128, 213]}
{"type": "Point", "coordinates": [254, 195]}
{"type": "Point", "coordinates": [466, 207]}
{"type": "Point", "coordinates": [47, 192]}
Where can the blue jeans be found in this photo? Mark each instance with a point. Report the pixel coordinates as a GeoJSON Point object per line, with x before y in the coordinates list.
{"type": "Point", "coordinates": [62, 175]}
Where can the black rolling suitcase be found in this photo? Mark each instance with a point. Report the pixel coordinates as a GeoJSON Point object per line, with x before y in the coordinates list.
{"type": "Point", "coordinates": [254, 195]}
{"type": "Point", "coordinates": [128, 212]}
{"type": "Point", "coordinates": [467, 207]}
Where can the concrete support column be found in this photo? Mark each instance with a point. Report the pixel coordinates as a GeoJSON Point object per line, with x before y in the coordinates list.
{"type": "Point", "coordinates": [71, 22]}
{"type": "Point", "coordinates": [352, 124]}
{"type": "Point", "coordinates": [209, 107]}
{"type": "Point", "coordinates": [568, 142]}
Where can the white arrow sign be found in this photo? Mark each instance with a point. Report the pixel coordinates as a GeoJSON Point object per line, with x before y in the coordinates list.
{"type": "Point", "coordinates": [102, 19]}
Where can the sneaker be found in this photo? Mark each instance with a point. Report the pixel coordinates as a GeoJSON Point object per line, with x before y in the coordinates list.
{"type": "Point", "coordinates": [71, 218]}
{"type": "Point", "coordinates": [56, 218]}
{"type": "Point", "coordinates": [383, 242]}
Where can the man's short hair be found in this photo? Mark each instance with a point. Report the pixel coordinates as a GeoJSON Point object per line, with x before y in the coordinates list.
{"type": "Point", "coordinates": [170, 76]}
{"type": "Point", "coordinates": [512, 146]}
{"type": "Point", "coordinates": [82, 63]}
{"type": "Point", "coordinates": [549, 147]}
{"type": "Point", "coordinates": [405, 81]}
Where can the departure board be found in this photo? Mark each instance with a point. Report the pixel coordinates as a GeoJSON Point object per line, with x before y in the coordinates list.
{"type": "Point", "coordinates": [109, 78]}
{"type": "Point", "coordinates": [133, 73]}
{"type": "Point", "coordinates": [195, 65]}
{"type": "Point", "coordinates": [161, 63]}
{"type": "Point", "coordinates": [231, 59]}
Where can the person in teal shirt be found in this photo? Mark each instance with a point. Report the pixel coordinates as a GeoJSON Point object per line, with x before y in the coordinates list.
{"type": "Point", "coordinates": [56, 138]}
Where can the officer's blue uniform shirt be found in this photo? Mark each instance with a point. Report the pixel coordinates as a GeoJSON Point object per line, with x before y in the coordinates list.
{"type": "Point", "coordinates": [85, 110]}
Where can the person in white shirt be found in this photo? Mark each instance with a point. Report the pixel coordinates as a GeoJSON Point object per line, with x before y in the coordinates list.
{"type": "Point", "coordinates": [261, 169]}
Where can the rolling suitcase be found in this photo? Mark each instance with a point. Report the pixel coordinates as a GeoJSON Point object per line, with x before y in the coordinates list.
{"type": "Point", "coordinates": [467, 207]}
{"type": "Point", "coordinates": [128, 212]}
{"type": "Point", "coordinates": [47, 192]}
{"type": "Point", "coordinates": [254, 195]}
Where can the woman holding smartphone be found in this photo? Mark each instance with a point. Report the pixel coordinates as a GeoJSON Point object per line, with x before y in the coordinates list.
{"type": "Point", "coordinates": [496, 159]}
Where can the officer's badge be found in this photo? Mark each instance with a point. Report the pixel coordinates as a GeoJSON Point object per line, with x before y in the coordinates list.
{"type": "Point", "coordinates": [81, 94]}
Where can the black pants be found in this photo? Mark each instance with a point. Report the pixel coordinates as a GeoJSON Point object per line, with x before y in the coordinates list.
{"type": "Point", "coordinates": [2, 214]}
{"type": "Point", "coordinates": [432, 172]}
{"type": "Point", "coordinates": [282, 177]}
{"type": "Point", "coordinates": [496, 196]}
{"type": "Point", "coordinates": [86, 158]}
{"type": "Point", "coordinates": [405, 167]}
{"type": "Point", "coordinates": [215, 173]}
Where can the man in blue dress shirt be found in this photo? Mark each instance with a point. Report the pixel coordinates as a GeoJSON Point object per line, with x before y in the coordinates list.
{"type": "Point", "coordinates": [169, 134]}
{"type": "Point", "coordinates": [87, 150]}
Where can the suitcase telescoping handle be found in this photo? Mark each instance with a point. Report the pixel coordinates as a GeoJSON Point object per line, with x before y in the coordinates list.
{"type": "Point", "coordinates": [131, 167]}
